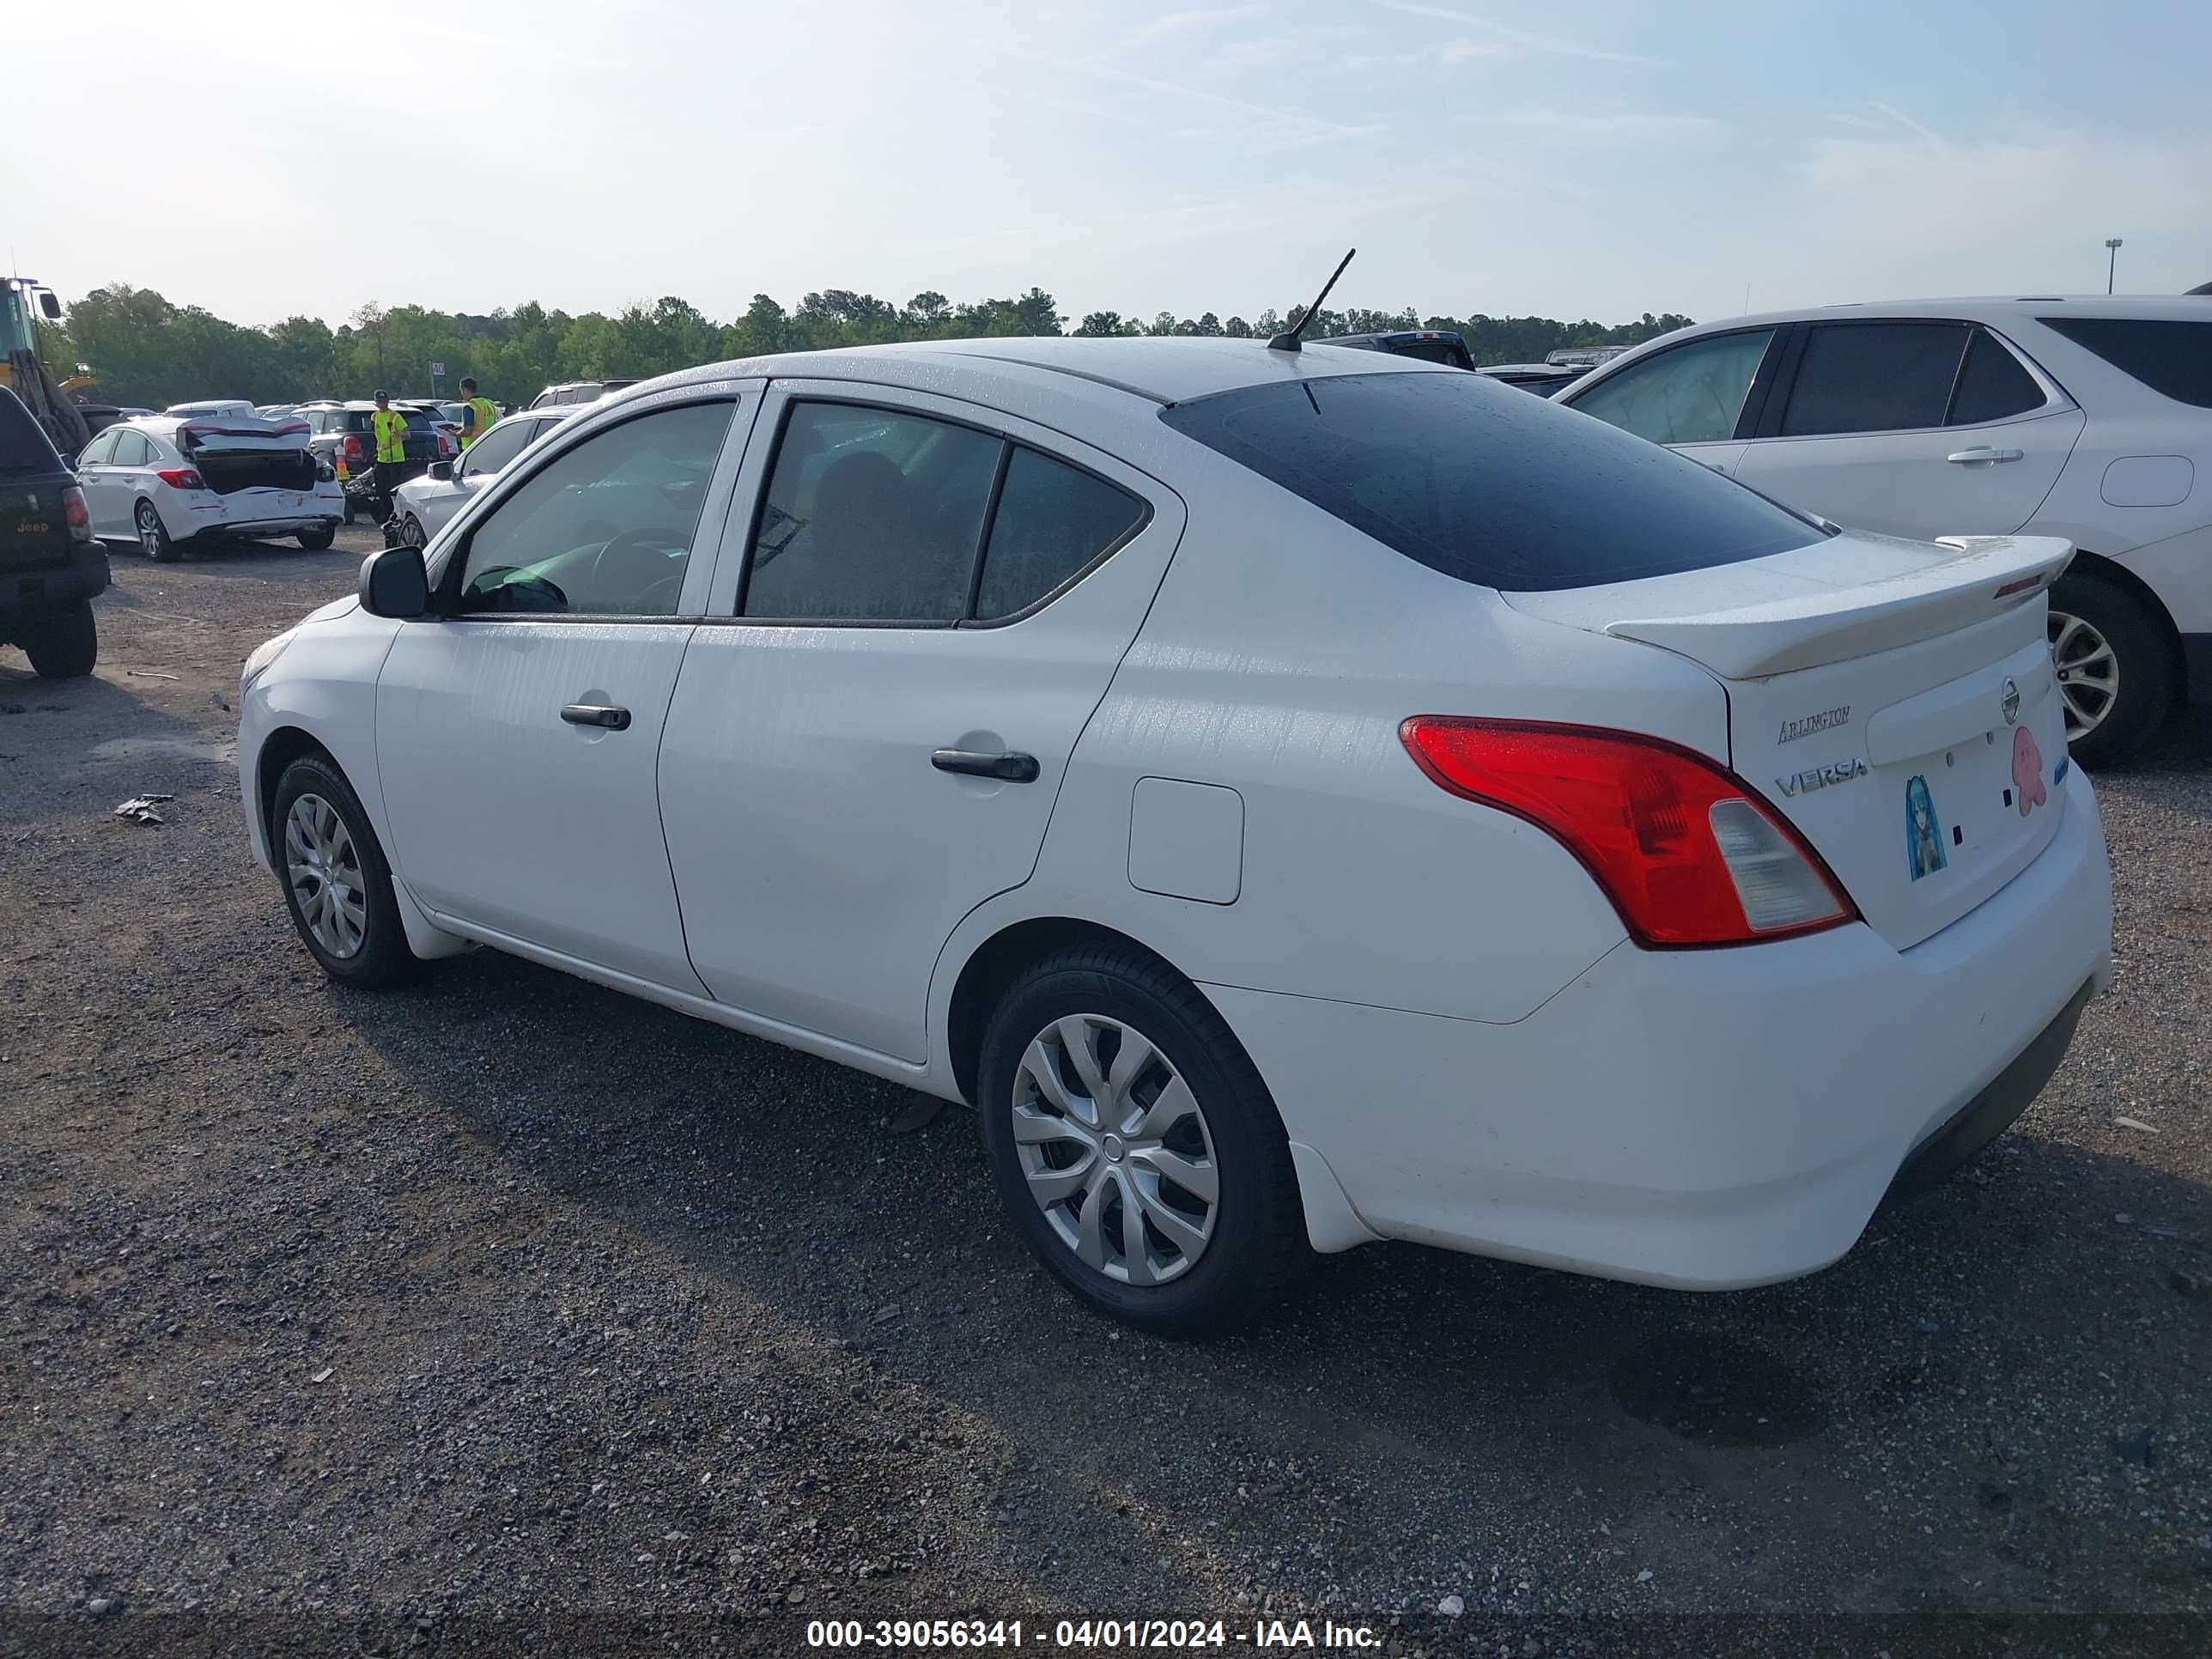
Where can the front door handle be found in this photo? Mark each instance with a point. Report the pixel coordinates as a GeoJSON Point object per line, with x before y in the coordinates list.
{"type": "Point", "coordinates": [1008, 766]}
{"type": "Point", "coordinates": [1973, 456]}
{"type": "Point", "coordinates": [596, 713]}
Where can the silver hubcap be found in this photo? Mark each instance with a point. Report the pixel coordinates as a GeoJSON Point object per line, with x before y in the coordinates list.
{"type": "Point", "coordinates": [324, 872]}
{"type": "Point", "coordinates": [411, 532]}
{"type": "Point", "coordinates": [2088, 673]}
{"type": "Point", "coordinates": [149, 532]}
{"type": "Point", "coordinates": [1116, 1151]}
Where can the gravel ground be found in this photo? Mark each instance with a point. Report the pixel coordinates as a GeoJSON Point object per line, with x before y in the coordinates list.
{"type": "Point", "coordinates": [506, 1312]}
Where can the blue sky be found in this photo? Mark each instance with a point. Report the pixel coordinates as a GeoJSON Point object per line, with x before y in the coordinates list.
{"type": "Point", "coordinates": [1571, 160]}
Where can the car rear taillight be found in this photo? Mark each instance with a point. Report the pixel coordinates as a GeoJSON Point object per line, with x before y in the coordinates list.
{"type": "Point", "coordinates": [353, 451]}
{"type": "Point", "coordinates": [76, 514]}
{"type": "Point", "coordinates": [181, 477]}
{"type": "Point", "coordinates": [1686, 851]}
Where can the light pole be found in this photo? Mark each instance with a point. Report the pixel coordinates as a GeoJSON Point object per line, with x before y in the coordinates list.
{"type": "Point", "coordinates": [2111, 260]}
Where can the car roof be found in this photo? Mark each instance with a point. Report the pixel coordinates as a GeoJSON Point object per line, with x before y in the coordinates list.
{"type": "Point", "coordinates": [2150, 307]}
{"type": "Point", "coordinates": [1165, 369]}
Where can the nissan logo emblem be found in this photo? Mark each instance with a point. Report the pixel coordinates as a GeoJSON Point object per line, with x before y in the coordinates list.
{"type": "Point", "coordinates": [2011, 702]}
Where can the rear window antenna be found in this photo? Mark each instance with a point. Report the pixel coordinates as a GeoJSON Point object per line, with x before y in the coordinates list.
{"type": "Point", "coordinates": [1288, 339]}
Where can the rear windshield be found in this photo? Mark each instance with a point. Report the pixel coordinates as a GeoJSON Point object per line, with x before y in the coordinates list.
{"type": "Point", "coordinates": [1486, 483]}
{"type": "Point", "coordinates": [1450, 353]}
{"type": "Point", "coordinates": [2175, 358]}
{"type": "Point", "coordinates": [24, 446]}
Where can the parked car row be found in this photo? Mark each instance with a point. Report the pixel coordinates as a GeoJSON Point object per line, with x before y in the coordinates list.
{"type": "Point", "coordinates": [1297, 797]}
{"type": "Point", "coordinates": [2085, 417]}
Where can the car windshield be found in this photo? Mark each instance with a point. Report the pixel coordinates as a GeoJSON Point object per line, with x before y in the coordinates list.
{"type": "Point", "coordinates": [1486, 483]}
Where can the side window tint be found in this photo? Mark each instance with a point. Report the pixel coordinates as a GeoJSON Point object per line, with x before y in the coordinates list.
{"type": "Point", "coordinates": [96, 453]}
{"type": "Point", "coordinates": [1052, 520]}
{"type": "Point", "coordinates": [871, 516]}
{"type": "Point", "coordinates": [605, 528]}
{"type": "Point", "coordinates": [131, 449]}
{"type": "Point", "coordinates": [2169, 357]}
{"type": "Point", "coordinates": [1993, 386]}
{"type": "Point", "coordinates": [1691, 394]}
{"type": "Point", "coordinates": [497, 447]}
{"type": "Point", "coordinates": [1874, 377]}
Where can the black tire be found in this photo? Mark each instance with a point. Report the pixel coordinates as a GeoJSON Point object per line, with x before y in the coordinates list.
{"type": "Point", "coordinates": [66, 645]}
{"type": "Point", "coordinates": [2143, 655]}
{"type": "Point", "coordinates": [382, 958]}
{"type": "Point", "coordinates": [153, 534]}
{"type": "Point", "coordinates": [411, 532]}
{"type": "Point", "coordinates": [319, 539]}
{"type": "Point", "coordinates": [349, 514]}
{"type": "Point", "coordinates": [1257, 1248]}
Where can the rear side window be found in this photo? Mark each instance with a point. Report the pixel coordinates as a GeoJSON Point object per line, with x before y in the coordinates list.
{"type": "Point", "coordinates": [871, 516]}
{"type": "Point", "coordinates": [1689, 394]}
{"type": "Point", "coordinates": [24, 446]}
{"type": "Point", "coordinates": [1450, 353]}
{"type": "Point", "coordinates": [1993, 386]}
{"type": "Point", "coordinates": [131, 449]}
{"type": "Point", "coordinates": [2173, 358]}
{"type": "Point", "coordinates": [1052, 520]}
{"type": "Point", "coordinates": [1485, 484]}
{"type": "Point", "coordinates": [1874, 377]}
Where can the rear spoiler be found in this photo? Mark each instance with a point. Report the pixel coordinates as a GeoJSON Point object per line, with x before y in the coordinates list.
{"type": "Point", "coordinates": [1827, 624]}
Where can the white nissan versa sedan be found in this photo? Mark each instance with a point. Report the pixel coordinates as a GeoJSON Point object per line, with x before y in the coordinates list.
{"type": "Point", "coordinates": [1299, 797]}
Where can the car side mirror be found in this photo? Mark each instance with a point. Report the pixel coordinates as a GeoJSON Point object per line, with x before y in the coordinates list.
{"type": "Point", "coordinates": [442, 472]}
{"type": "Point", "coordinates": [394, 584]}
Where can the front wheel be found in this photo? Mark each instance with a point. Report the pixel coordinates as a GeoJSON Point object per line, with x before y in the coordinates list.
{"type": "Point", "coordinates": [411, 532]}
{"type": "Point", "coordinates": [66, 645]}
{"type": "Point", "coordinates": [317, 537]}
{"type": "Point", "coordinates": [337, 884]}
{"type": "Point", "coordinates": [1135, 1146]}
{"type": "Point", "coordinates": [153, 534]}
{"type": "Point", "coordinates": [2115, 668]}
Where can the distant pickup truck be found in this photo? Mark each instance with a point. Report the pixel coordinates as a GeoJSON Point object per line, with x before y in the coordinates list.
{"type": "Point", "coordinates": [50, 565]}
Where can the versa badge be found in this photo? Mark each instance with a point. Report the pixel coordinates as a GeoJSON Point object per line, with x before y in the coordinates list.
{"type": "Point", "coordinates": [1819, 777]}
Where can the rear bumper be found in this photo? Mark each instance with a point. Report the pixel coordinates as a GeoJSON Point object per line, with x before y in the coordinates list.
{"type": "Point", "coordinates": [40, 593]}
{"type": "Point", "coordinates": [211, 515]}
{"type": "Point", "coordinates": [1702, 1119]}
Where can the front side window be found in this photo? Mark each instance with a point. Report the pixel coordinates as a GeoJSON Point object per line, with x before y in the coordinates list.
{"type": "Point", "coordinates": [1691, 394]}
{"type": "Point", "coordinates": [1874, 377]}
{"type": "Point", "coordinates": [1484, 482]}
{"type": "Point", "coordinates": [871, 515]}
{"type": "Point", "coordinates": [2171, 358]}
{"type": "Point", "coordinates": [603, 529]}
{"type": "Point", "coordinates": [96, 453]}
{"type": "Point", "coordinates": [497, 447]}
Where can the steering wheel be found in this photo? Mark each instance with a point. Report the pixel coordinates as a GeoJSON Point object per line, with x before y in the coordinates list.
{"type": "Point", "coordinates": [636, 564]}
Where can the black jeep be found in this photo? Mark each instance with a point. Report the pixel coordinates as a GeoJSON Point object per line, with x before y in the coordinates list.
{"type": "Point", "coordinates": [50, 565]}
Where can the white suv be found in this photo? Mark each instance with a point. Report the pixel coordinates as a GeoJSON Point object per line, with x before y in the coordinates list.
{"type": "Point", "coordinates": [2088, 418]}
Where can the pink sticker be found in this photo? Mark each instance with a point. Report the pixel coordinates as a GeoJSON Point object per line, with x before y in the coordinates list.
{"type": "Point", "coordinates": [2028, 771]}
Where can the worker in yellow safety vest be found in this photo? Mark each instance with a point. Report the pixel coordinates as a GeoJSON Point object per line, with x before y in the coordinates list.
{"type": "Point", "coordinates": [388, 426]}
{"type": "Point", "coordinates": [480, 413]}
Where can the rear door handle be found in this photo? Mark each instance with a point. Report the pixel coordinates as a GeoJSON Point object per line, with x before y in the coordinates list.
{"type": "Point", "coordinates": [1008, 766]}
{"type": "Point", "coordinates": [1970, 457]}
{"type": "Point", "coordinates": [596, 713]}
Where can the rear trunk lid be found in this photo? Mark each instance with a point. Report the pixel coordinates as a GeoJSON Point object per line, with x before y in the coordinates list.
{"type": "Point", "coordinates": [1893, 700]}
{"type": "Point", "coordinates": [234, 452]}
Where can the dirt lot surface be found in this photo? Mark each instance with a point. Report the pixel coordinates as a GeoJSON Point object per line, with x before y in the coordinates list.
{"type": "Point", "coordinates": [509, 1313]}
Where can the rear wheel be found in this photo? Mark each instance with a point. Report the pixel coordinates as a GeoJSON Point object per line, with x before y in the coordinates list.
{"type": "Point", "coordinates": [317, 537]}
{"type": "Point", "coordinates": [337, 884]}
{"type": "Point", "coordinates": [66, 645]}
{"type": "Point", "coordinates": [2115, 668]}
{"type": "Point", "coordinates": [153, 536]}
{"type": "Point", "coordinates": [1136, 1148]}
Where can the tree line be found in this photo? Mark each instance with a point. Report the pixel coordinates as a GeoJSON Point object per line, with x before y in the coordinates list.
{"type": "Point", "coordinates": [143, 350]}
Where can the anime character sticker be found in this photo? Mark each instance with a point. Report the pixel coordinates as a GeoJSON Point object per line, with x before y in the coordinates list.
{"type": "Point", "coordinates": [1923, 832]}
{"type": "Point", "coordinates": [2027, 786]}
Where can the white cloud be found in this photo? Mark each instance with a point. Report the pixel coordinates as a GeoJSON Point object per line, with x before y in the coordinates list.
{"type": "Point", "coordinates": [1541, 43]}
{"type": "Point", "coordinates": [1576, 125]}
